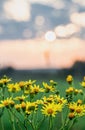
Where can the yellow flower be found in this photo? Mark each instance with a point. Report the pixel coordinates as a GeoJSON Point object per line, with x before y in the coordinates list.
{"type": "Point", "coordinates": [84, 78]}
{"type": "Point", "coordinates": [71, 115]}
{"type": "Point", "coordinates": [76, 91]}
{"type": "Point", "coordinates": [1, 83]}
{"type": "Point", "coordinates": [4, 80]}
{"type": "Point", "coordinates": [35, 89]}
{"type": "Point", "coordinates": [26, 92]}
{"type": "Point", "coordinates": [27, 89]}
{"type": "Point", "coordinates": [48, 88]}
{"type": "Point", "coordinates": [30, 89]}
{"type": "Point", "coordinates": [79, 101]}
{"type": "Point", "coordinates": [51, 109]}
{"type": "Point", "coordinates": [81, 91]}
{"type": "Point", "coordinates": [39, 101]}
{"type": "Point", "coordinates": [17, 107]}
{"type": "Point", "coordinates": [69, 79]}
{"type": "Point", "coordinates": [52, 82]}
{"type": "Point", "coordinates": [69, 90]}
{"type": "Point", "coordinates": [23, 106]}
{"type": "Point", "coordinates": [20, 98]}
{"type": "Point", "coordinates": [72, 107]}
{"type": "Point", "coordinates": [49, 99]}
{"type": "Point", "coordinates": [78, 109]}
{"type": "Point", "coordinates": [13, 87]}
{"type": "Point", "coordinates": [83, 84]}
{"type": "Point", "coordinates": [31, 107]}
{"type": "Point", "coordinates": [60, 100]}
{"type": "Point", "coordinates": [1, 105]}
{"type": "Point", "coordinates": [30, 82]}
{"type": "Point", "coordinates": [7, 102]}
{"type": "Point", "coordinates": [22, 84]}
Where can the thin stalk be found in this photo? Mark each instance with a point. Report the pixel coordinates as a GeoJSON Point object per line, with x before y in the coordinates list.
{"type": "Point", "coordinates": [66, 119]}
{"type": "Point", "coordinates": [50, 123]}
{"type": "Point", "coordinates": [1, 124]}
{"type": "Point", "coordinates": [25, 125]}
{"type": "Point", "coordinates": [62, 121]}
{"type": "Point", "coordinates": [30, 122]}
{"type": "Point", "coordinates": [13, 125]}
{"type": "Point", "coordinates": [2, 111]}
{"type": "Point", "coordinates": [3, 91]}
{"type": "Point", "coordinates": [12, 120]}
{"type": "Point", "coordinates": [18, 124]}
{"type": "Point", "coordinates": [38, 126]}
{"type": "Point", "coordinates": [83, 97]}
{"type": "Point", "coordinates": [16, 117]}
{"type": "Point", "coordinates": [71, 125]}
{"type": "Point", "coordinates": [64, 125]}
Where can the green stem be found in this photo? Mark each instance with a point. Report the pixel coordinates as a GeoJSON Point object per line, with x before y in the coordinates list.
{"type": "Point", "coordinates": [40, 123]}
{"type": "Point", "coordinates": [12, 120]}
{"type": "Point", "coordinates": [1, 112]}
{"type": "Point", "coordinates": [62, 120]}
{"type": "Point", "coordinates": [83, 97]}
{"type": "Point", "coordinates": [25, 125]}
{"type": "Point", "coordinates": [71, 124]}
{"type": "Point", "coordinates": [3, 91]}
{"type": "Point", "coordinates": [18, 124]}
{"type": "Point", "coordinates": [30, 122]}
{"type": "Point", "coordinates": [1, 124]}
{"type": "Point", "coordinates": [13, 125]}
{"type": "Point", "coordinates": [16, 117]}
{"type": "Point", "coordinates": [50, 123]}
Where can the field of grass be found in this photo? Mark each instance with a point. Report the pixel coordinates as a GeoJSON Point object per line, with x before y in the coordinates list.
{"type": "Point", "coordinates": [62, 86]}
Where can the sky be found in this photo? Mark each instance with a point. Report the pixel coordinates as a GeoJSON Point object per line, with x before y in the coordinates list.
{"type": "Point", "coordinates": [36, 34]}
{"type": "Point", "coordinates": [40, 54]}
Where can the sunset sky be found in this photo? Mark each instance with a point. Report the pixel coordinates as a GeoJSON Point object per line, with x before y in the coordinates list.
{"type": "Point", "coordinates": [39, 54]}
{"type": "Point", "coordinates": [37, 34]}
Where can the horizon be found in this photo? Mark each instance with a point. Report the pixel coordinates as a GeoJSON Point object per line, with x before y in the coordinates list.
{"type": "Point", "coordinates": [34, 54]}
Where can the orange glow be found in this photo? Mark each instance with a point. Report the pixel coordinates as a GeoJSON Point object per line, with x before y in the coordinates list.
{"type": "Point", "coordinates": [30, 54]}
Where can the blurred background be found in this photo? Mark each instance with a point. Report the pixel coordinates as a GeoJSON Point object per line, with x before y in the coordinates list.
{"type": "Point", "coordinates": [42, 38]}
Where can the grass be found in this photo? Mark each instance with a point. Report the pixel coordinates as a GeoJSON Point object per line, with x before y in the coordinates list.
{"type": "Point", "coordinates": [62, 85]}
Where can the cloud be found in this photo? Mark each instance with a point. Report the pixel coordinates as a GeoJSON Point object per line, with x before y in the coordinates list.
{"type": "Point", "coordinates": [64, 31]}
{"type": "Point", "coordinates": [58, 4]}
{"type": "Point", "coordinates": [78, 19]}
{"type": "Point", "coordinates": [80, 2]}
{"type": "Point", "coordinates": [18, 10]}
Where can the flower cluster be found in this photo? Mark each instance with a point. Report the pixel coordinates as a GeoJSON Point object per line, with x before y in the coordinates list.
{"type": "Point", "coordinates": [31, 105]}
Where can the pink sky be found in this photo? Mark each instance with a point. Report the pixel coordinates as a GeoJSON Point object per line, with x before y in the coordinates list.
{"type": "Point", "coordinates": [36, 54]}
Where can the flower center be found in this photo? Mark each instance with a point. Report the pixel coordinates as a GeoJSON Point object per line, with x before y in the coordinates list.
{"type": "Point", "coordinates": [78, 110]}
{"type": "Point", "coordinates": [49, 111]}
